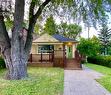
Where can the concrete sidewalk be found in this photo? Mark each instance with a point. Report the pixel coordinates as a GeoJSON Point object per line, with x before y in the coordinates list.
{"type": "Point", "coordinates": [82, 82]}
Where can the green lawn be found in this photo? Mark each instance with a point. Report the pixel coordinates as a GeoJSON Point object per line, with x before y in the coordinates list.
{"type": "Point", "coordinates": [41, 81]}
{"type": "Point", "coordinates": [106, 80]}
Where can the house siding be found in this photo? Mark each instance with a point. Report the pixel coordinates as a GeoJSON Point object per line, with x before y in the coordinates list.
{"type": "Point", "coordinates": [34, 49]}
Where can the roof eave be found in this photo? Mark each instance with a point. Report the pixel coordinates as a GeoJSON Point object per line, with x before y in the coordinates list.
{"type": "Point", "coordinates": [71, 41]}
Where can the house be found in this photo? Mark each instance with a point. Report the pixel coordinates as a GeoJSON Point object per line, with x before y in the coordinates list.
{"type": "Point", "coordinates": [55, 50]}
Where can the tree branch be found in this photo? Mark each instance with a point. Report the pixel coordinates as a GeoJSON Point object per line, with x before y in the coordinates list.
{"type": "Point", "coordinates": [40, 9]}
{"type": "Point", "coordinates": [31, 9]}
{"type": "Point", "coordinates": [32, 21]}
{"type": "Point", "coordinates": [4, 37]}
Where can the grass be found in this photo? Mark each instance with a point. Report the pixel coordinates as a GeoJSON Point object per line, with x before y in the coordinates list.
{"type": "Point", "coordinates": [41, 81]}
{"type": "Point", "coordinates": [106, 80]}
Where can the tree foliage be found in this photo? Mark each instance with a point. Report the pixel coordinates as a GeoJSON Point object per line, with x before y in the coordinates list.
{"type": "Point", "coordinates": [74, 30]}
{"type": "Point", "coordinates": [69, 30]}
{"type": "Point", "coordinates": [50, 26]}
{"type": "Point", "coordinates": [39, 26]}
{"type": "Point", "coordinates": [62, 29]}
{"type": "Point", "coordinates": [89, 47]}
{"type": "Point", "coordinates": [104, 37]}
{"type": "Point", "coordinates": [90, 11]}
{"type": "Point", "coordinates": [9, 23]}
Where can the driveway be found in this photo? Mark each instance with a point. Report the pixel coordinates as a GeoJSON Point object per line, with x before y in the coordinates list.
{"type": "Point", "coordinates": [82, 82]}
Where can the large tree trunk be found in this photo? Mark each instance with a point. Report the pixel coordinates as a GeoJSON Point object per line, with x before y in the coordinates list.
{"type": "Point", "coordinates": [19, 60]}
{"type": "Point", "coordinates": [17, 66]}
{"type": "Point", "coordinates": [14, 55]}
{"type": "Point", "coordinates": [13, 51]}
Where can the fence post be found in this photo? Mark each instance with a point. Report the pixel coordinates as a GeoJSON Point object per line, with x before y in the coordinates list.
{"type": "Point", "coordinates": [41, 56]}
{"type": "Point", "coordinates": [49, 56]}
{"type": "Point", "coordinates": [53, 56]}
{"type": "Point", "coordinates": [31, 57]}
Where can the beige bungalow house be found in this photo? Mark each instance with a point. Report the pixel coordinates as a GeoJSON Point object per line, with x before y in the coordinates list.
{"type": "Point", "coordinates": [55, 50]}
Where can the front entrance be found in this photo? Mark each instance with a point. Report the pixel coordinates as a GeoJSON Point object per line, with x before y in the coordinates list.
{"type": "Point", "coordinates": [69, 52]}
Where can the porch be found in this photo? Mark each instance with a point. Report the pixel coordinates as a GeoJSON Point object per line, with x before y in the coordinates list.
{"type": "Point", "coordinates": [56, 58]}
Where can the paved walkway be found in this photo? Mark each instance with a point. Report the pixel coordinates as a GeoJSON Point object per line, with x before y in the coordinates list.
{"type": "Point", "coordinates": [82, 82]}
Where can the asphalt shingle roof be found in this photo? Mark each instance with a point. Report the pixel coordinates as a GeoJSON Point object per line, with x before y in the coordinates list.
{"type": "Point", "coordinates": [63, 39]}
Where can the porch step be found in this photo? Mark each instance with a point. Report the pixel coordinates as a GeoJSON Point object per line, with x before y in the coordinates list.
{"type": "Point", "coordinates": [72, 64]}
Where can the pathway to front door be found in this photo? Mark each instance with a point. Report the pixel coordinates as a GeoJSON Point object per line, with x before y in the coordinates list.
{"type": "Point", "coordinates": [82, 82]}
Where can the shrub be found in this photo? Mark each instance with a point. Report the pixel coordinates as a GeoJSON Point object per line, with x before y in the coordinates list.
{"type": "Point", "coordinates": [83, 61]}
{"type": "Point", "coordinates": [2, 63]}
{"type": "Point", "coordinates": [89, 47]}
{"type": "Point", "coordinates": [100, 60]}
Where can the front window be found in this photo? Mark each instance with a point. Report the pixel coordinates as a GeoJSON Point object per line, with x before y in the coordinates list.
{"type": "Point", "coordinates": [45, 48]}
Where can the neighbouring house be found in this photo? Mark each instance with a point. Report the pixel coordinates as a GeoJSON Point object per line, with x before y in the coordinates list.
{"type": "Point", "coordinates": [55, 50]}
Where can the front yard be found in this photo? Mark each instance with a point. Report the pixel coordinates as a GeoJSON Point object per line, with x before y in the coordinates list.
{"type": "Point", "coordinates": [106, 80]}
{"type": "Point", "coordinates": [41, 81]}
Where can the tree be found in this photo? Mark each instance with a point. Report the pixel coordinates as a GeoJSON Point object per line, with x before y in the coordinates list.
{"type": "Point", "coordinates": [109, 48]}
{"type": "Point", "coordinates": [74, 30]}
{"type": "Point", "coordinates": [63, 29]}
{"type": "Point", "coordinates": [16, 51]}
{"type": "Point", "coordinates": [89, 47]}
{"type": "Point", "coordinates": [104, 37]}
{"type": "Point", "coordinates": [50, 26]}
{"type": "Point", "coordinates": [69, 30]}
{"type": "Point", "coordinates": [38, 29]}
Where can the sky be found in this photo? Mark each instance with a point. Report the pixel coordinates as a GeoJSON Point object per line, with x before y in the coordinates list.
{"type": "Point", "coordinates": [92, 30]}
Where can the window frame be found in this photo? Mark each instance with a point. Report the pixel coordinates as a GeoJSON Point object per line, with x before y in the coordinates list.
{"type": "Point", "coordinates": [47, 50]}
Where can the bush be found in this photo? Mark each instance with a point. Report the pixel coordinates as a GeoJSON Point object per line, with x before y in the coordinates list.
{"type": "Point", "coordinates": [2, 63]}
{"type": "Point", "coordinates": [83, 62]}
{"type": "Point", "coordinates": [100, 60]}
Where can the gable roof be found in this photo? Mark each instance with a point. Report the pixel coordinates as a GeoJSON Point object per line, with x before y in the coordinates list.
{"type": "Point", "coordinates": [63, 39]}
{"type": "Point", "coordinates": [45, 38]}
{"type": "Point", "coordinates": [54, 38]}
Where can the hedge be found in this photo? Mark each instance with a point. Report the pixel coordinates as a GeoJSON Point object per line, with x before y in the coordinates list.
{"type": "Point", "coordinates": [100, 60]}
{"type": "Point", "coordinates": [2, 63]}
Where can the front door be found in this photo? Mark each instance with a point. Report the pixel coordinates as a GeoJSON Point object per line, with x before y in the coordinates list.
{"type": "Point", "coordinates": [69, 51]}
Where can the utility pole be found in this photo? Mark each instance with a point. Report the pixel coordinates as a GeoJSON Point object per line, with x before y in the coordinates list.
{"type": "Point", "coordinates": [88, 31]}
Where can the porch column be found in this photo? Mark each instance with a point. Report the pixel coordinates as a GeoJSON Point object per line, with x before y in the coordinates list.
{"type": "Point", "coordinates": [66, 51]}
{"type": "Point", "coordinates": [74, 49]}
{"type": "Point", "coordinates": [64, 56]}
